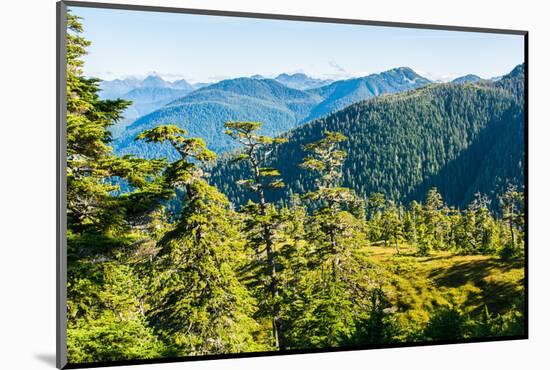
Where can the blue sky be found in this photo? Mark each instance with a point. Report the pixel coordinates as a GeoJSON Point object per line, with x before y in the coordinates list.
{"type": "Point", "coordinates": [209, 48]}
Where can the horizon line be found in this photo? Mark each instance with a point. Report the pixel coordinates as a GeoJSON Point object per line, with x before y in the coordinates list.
{"type": "Point", "coordinates": [173, 77]}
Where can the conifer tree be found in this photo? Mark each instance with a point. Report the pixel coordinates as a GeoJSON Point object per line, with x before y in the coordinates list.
{"type": "Point", "coordinates": [433, 217]}
{"type": "Point", "coordinates": [512, 204]}
{"type": "Point", "coordinates": [379, 326]}
{"type": "Point", "coordinates": [106, 319]}
{"type": "Point", "coordinates": [412, 220]}
{"type": "Point", "coordinates": [375, 206]}
{"type": "Point", "coordinates": [199, 306]}
{"type": "Point", "coordinates": [91, 204]}
{"type": "Point", "coordinates": [335, 229]}
{"type": "Point", "coordinates": [264, 216]}
{"type": "Point", "coordinates": [340, 215]}
{"type": "Point", "coordinates": [393, 225]}
{"type": "Point", "coordinates": [485, 230]}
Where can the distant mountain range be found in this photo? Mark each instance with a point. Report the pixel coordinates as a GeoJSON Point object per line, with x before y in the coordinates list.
{"type": "Point", "coordinates": [117, 88]}
{"type": "Point", "coordinates": [204, 111]}
{"type": "Point", "coordinates": [153, 92]}
{"type": "Point", "coordinates": [462, 138]}
{"type": "Point", "coordinates": [146, 95]}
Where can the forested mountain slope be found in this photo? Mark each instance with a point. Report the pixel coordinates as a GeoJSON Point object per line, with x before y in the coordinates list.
{"type": "Point", "coordinates": [459, 138]}
{"type": "Point", "coordinates": [144, 101]}
{"type": "Point", "coordinates": [203, 113]}
{"type": "Point", "coordinates": [343, 93]}
{"type": "Point", "coordinates": [280, 108]}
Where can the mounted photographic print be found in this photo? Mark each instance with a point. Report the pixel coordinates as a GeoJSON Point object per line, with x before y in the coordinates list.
{"type": "Point", "coordinates": [237, 184]}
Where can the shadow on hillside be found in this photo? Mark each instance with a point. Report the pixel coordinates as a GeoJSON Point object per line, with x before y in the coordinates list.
{"type": "Point", "coordinates": [496, 295]}
{"type": "Point", "coordinates": [499, 296]}
{"type": "Point", "coordinates": [470, 271]}
{"type": "Point", "coordinates": [470, 163]}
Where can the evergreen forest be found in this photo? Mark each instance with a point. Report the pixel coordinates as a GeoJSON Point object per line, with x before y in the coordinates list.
{"type": "Point", "coordinates": [396, 219]}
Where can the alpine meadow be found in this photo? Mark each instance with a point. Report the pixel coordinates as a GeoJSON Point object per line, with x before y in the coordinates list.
{"type": "Point", "coordinates": [281, 212]}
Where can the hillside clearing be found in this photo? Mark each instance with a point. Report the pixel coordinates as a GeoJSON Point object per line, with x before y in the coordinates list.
{"type": "Point", "coordinates": [418, 286]}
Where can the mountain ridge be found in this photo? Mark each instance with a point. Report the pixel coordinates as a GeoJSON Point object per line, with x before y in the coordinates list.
{"type": "Point", "coordinates": [301, 81]}
{"type": "Point", "coordinates": [345, 92]}
{"type": "Point", "coordinates": [460, 138]}
{"type": "Point", "coordinates": [281, 108]}
{"type": "Point", "coordinates": [469, 78]}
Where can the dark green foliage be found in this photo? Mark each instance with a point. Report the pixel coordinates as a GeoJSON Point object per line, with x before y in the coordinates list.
{"type": "Point", "coordinates": [200, 306]}
{"type": "Point", "coordinates": [329, 289]}
{"type": "Point", "coordinates": [105, 296]}
{"type": "Point", "coordinates": [262, 220]}
{"type": "Point", "coordinates": [105, 315]}
{"type": "Point", "coordinates": [462, 139]}
{"type": "Point", "coordinates": [324, 318]}
{"type": "Point", "coordinates": [293, 267]}
{"type": "Point", "coordinates": [500, 324]}
{"type": "Point", "coordinates": [513, 82]}
{"type": "Point", "coordinates": [379, 327]}
{"type": "Point", "coordinates": [448, 324]}
{"type": "Point", "coordinates": [478, 232]}
{"type": "Point", "coordinates": [451, 324]}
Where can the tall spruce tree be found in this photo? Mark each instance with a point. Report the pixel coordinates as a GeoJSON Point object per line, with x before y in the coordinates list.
{"type": "Point", "coordinates": [485, 233]}
{"type": "Point", "coordinates": [334, 293]}
{"type": "Point", "coordinates": [431, 231]}
{"type": "Point", "coordinates": [338, 220]}
{"type": "Point", "coordinates": [264, 219]}
{"type": "Point", "coordinates": [375, 205]}
{"type": "Point", "coordinates": [106, 319]}
{"type": "Point", "coordinates": [199, 306]}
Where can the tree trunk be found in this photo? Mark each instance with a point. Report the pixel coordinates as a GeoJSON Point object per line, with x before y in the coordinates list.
{"type": "Point", "coordinates": [277, 324]}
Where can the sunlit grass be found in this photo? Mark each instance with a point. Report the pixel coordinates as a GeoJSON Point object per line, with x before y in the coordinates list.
{"type": "Point", "coordinates": [418, 286]}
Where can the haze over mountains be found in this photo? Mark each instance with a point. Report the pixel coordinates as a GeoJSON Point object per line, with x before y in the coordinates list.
{"type": "Point", "coordinates": [203, 112]}
{"type": "Point", "coordinates": [116, 88]}
{"type": "Point", "coordinates": [146, 95]}
{"type": "Point", "coordinates": [153, 92]}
